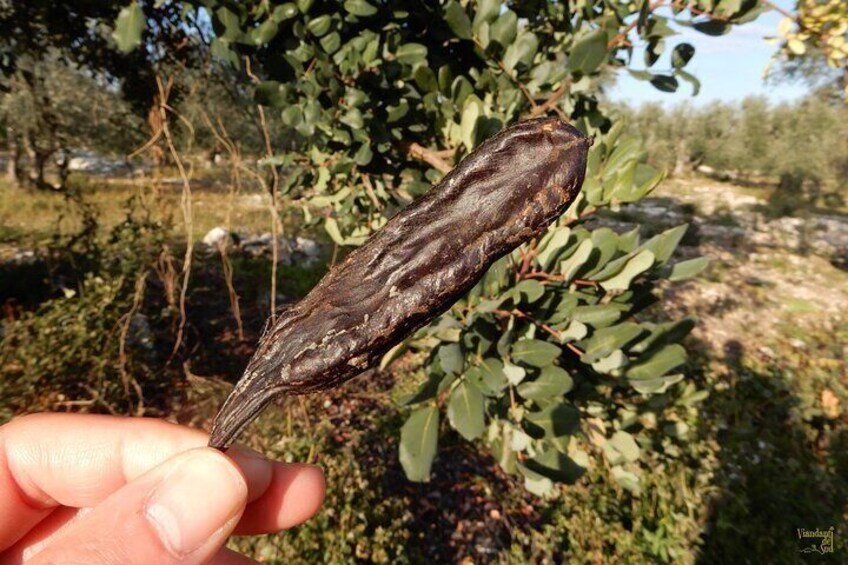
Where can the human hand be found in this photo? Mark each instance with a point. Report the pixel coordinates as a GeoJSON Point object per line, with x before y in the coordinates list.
{"type": "Point", "coordinates": [103, 489]}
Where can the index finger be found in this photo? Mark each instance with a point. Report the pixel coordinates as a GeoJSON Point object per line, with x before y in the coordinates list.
{"type": "Point", "coordinates": [50, 460]}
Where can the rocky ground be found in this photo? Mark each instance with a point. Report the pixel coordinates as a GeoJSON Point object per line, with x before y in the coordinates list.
{"type": "Point", "coordinates": [770, 284]}
{"type": "Point", "coordinates": [765, 273]}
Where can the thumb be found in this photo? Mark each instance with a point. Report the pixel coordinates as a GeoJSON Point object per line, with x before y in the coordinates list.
{"type": "Point", "coordinates": [179, 512]}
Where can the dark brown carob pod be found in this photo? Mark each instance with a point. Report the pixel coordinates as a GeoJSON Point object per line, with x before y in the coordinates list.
{"type": "Point", "coordinates": [505, 192]}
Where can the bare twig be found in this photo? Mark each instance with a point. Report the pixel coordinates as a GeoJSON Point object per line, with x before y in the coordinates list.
{"type": "Point", "coordinates": [126, 379]}
{"type": "Point", "coordinates": [235, 184]}
{"type": "Point", "coordinates": [781, 11]}
{"type": "Point", "coordinates": [185, 204]}
{"type": "Point", "coordinates": [551, 101]}
{"type": "Point", "coordinates": [275, 220]}
{"type": "Point", "coordinates": [527, 260]}
{"type": "Point", "coordinates": [507, 72]}
{"type": "Point", "coordinates": [622, 35]}
{"type": "Point", "coordinates": [369, 189]}
{"type": "Point", "coordinates": [525, 316]}
{"type": "Point", "coordinates": [559, 278]}
{"type": "Point", "coordinates": [430, 157]}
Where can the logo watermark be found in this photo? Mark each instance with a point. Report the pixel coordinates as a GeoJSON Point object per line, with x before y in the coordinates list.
{"type": "Point", "coordinates": [815, 541]}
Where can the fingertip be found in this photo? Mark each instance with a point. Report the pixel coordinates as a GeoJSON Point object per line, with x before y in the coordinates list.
{"type": "Point", "coordinates": [311, 484]}
{"type": "Point", "coordinates": [295, 494]}
{"type": "Point", "coordinates": [256, 469]}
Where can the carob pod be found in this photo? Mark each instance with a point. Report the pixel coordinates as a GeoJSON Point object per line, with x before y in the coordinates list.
{"type": "Point", "coordinates": [424, 259]}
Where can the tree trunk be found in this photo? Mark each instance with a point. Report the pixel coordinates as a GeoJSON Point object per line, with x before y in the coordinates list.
{"type": "Point", "coordinates": [682, 162]}
{"type": "Point", "coordinates": [14, 170]}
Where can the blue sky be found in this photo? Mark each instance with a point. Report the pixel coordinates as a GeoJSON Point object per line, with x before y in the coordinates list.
{"type": "Point", "coordinates": [729, 67]}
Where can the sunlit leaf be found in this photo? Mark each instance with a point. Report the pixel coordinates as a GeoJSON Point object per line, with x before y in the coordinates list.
{"type": "Point", "coordinates": [535, 352]}
{"type": "Point", "coordinates": [129, 26]}
{"type": "Point", "coordinates": [465, 410]}
{"type": "Point", "coordinates": [418, 439]}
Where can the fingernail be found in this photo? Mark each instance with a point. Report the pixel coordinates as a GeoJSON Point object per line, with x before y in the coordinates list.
{"type": "Point", "coordinates": [257, 470]}
{"type": "Point", "coordinates": [195, 500]}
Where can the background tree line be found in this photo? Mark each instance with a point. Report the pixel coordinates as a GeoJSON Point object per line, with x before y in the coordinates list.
{"type": "Point", "coordinates": [801, 146]}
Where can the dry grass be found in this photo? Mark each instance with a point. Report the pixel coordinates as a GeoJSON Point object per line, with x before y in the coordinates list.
{"type": "Point", "coordinates": [29, 218]}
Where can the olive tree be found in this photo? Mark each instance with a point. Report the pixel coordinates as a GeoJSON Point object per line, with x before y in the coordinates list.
{"type": "Point", "coordinates": [550, 353]}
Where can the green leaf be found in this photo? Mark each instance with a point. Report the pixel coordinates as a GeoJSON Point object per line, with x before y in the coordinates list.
{"type": "Point", "coordinates": [458, 20]}
{"type": "Point", "coordinates": [230, 21]}
{"type": "Point", "coordinates": [605, 246]}
{"type": "Point", "coordinates": [451, 358]}
{"type": "Point", "coordinates": [751, 12]}
{"type": "Point", "coordinates": [535, 352]}
{"type": "Point", "coordinates": [688, 269]}
{"type": "Point", "coordinates": [468, 125]}
{"type": "Point", "coordinates": [598, 315]}
{"type": "Point", "coordinates": [425, 391]}
{"type": "Point", "coordinates": [265, 32]}
{"type": "Point", "coordinates": [392, 354]}
{"type": "Point", "coordinates": [394, 113]}
{"type": "Point", "coordinates": [353, 119]}
{"type": "Point", "coordinates": [521, 51]}
{"type": "Point", "coordinates": [574, 332]}
{"type": "Point", "coordinates": [552, 383]}
{"type": "Point", "coordinates": [556, 466]}
{"type": "Point", "coordinates": [589, 52]}
{"type": "Point", "coordinates": [691, 79]}
{"type": "Point", "coordinates": [493, 374]}
{"type": "Point", "coordinates": [530, 289]}
{"type": "Point", "coordinates": [712, 27]}
{"type": "Point", "coordinates": [626, 150]}
{"type": "Point", "coordinates": [556, 420]}
{"type": "Point", "coordinates": [655, 365]}
{"type": "Point", "coordinates": [418, 439]}
{"type": "Point", "coordinates": [666, 83]}
{"type": "Point", "coordinates": [611, 364]}
{"type": "Point", "coordinates": [461, 89]}
{"type": "Point", "coordinates": [637, 265]}
{"type": "Point", "coordinates": [534, 482]}
{"type": "Point", "coordinates": [663, 245]}
{"type": "Point", "coordinates": [284, 12]}
{"type": "Point", "coordinates": [319, 26]}
{"type": "Point", "coordinates": [640, 75]}
{"type": "Point", "coordinates": [570, 266]}
{"type": "Point", "coordinates": [331, 42]}
{"type": "Point", "coordinates": [514, 374]}
{"type": "Point", "coordinates": [653, 51]}
{"type": "Point", "coordinates": [270, 93]}
{"type": "Point", "coordinates": [487, 11]}
{"type": "Point", "coordinates": [655, 386]}
{"type": "Point", "coordinates": [360, 8]}
{"type": "Point", "coordinates": [465, 410]}
{"type": "Point", "coordinates": [411, 53]}
{"type": "Point", "coordinates": [332, 227]}
{"type": "Point", "coordinates": [607, 340]}
{"type": "Point", "coordinates": [504, 29]}
{"type": "Point", "coordinates": [129, 26]}
{"type": "Point", "coordinates": [624, 443]}
{"type": "Point", "coordinates": [363, 155]}
{"type": "Point", "coordinates": [551, 245]}
{"type": "Point", "coordinates": [663, 334]}
{"type": "Point", "coordinates": [425, 79]}
{"type": "Point", "coordinates": [681, 55]}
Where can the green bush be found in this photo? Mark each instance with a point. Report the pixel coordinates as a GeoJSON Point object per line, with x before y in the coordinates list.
{"type": "Point", "coordinates": [93, 347]}
{"type": "Point", "coordinates": [378, 102]}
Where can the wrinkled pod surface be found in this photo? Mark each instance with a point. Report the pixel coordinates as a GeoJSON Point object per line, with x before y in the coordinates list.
{"type": "Point", "coordinates": [424, 259]}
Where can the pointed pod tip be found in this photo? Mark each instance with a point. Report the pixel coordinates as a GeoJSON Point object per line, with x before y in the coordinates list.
{"type": "Point", "coordinates": [242, 406]}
